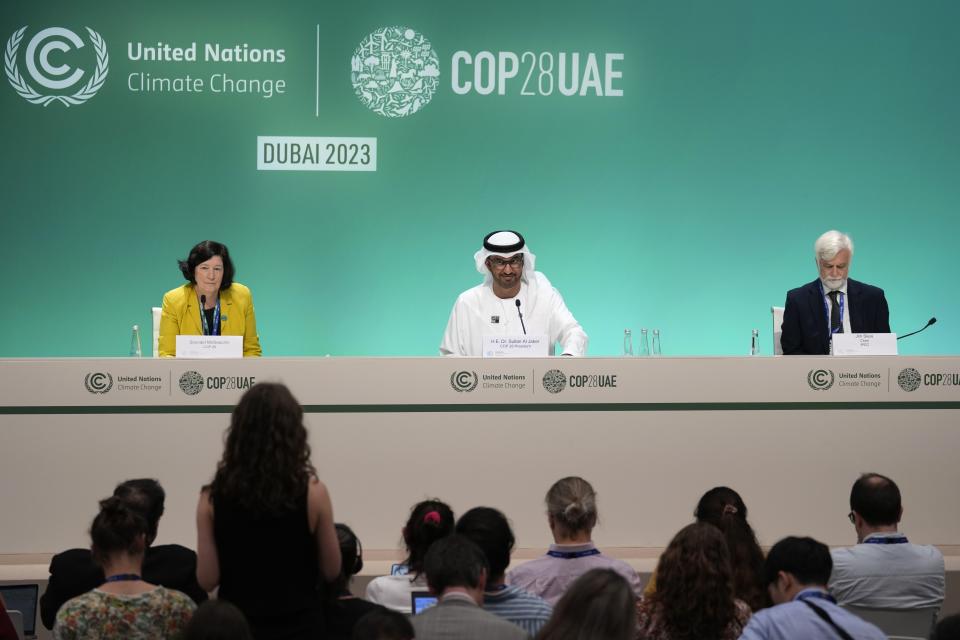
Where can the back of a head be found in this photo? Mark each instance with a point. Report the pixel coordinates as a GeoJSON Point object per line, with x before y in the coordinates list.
{"type": "Point", "coordinates": [947, 629]}
{"type": "Point", "coordinates": [724, 508]}
{"type": "Point", "coordinates": [488, 529]}
{"type": "Point", "coordinates": [218, 620]}
{"type": "Point", "coordinates": [146, 496]}
{"type": "Point", "coordinates": [117, 529]}
{"type": "Point", "coordinates": [694, 593]}
{"type": "Point", "coordinates": [600, 605]}
{"type": "Point", "coordinates": [572, 504]}
{"type": "Point", "coordinates": [429, 521]}
{"type": "Point", "coordinates": [806, 559]}
{"type": "Point", "coordinates": [383, 624]}
{"type": "Point", "coordinates": [454, 561]}
{"type": "Point", "coordinates": [877, 499]}
{"type": "Point", "coordinates": [266, 459]}
{"type": "Point", "coordinates": [351, 558]}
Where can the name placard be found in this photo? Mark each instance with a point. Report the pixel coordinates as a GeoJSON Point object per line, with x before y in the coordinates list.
{"type": "Point", "coordinates": [864, 344]}
{"type": "Point", "coordinates": [528, 346]}
{"type": "Point", "coordinates": [209, 346]}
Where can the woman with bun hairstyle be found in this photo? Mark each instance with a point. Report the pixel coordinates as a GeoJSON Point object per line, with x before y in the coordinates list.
{"type": "Point", "coordinates": [429, 521]}
{"type": "Point", "coordinates": [572, 515]}
{"type": "Point", "coordinates": [131, 608]}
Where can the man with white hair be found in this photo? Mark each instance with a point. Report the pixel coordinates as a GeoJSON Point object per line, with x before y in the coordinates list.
{"type": "Point", "coordinates": [833, 303]}
{"type": "Point", "coordinates": [513, 300]}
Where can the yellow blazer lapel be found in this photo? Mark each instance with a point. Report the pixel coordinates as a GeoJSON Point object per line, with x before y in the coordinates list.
{"type": "Point", "coordinates": [227, 321]}
{"type": "Point", "coordinates": [193, 310]}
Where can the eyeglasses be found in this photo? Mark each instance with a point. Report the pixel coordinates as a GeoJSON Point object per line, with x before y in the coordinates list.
{"type": "Point", "coordinates": [500, 263]}
{"type": "Point", "coordinates": [852, 518]}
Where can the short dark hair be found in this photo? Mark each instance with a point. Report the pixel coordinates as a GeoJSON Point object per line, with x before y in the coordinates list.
{"type": "Point", "coordinates": [383, 624]}
{"type": "Point", "coordinates": [488, 529]}
{"type": "Point", "coordinates": [202, 252]}
{"type": "Point", "coordinates": [117, 528]}
{"type": "Point", "coordinates": [806, 559]}
{"type": "Point", "coordinates": [947, 629]}
{"type": "Point", "coordinates": [877, 499]}
{"type": "Point", "coordinates": [454, 561]}
{"type": "Point", "coordinates": [217, 620]}
{"type": "Point", "coordinates": [146, 496]}
{"type": "Point", "coordinates": [351, 559]}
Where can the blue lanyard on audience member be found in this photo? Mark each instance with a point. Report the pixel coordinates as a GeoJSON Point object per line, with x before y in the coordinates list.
{"type": "Point", "coordinates": [499, 587]}
{"type": "Point", "coordinates": [570, 555]}
{"type": "Point", "coordinates": [816, 595]}
{"type": "Point", "coordinates": [216, 320]}
{"type": "Point", "coordinates": [123, 577]}
{"type": "Point", "coordinates": [826, 307]}
{"type": "Point", "coordinates": [890, 540]}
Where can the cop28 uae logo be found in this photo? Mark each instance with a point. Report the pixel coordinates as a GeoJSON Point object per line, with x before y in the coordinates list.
{"type": "Point", "coordinates": [909, 379]}
{"type": "Point", "coordinates": [554, 381]}
{"type": "Point", "coordinates": [395, 71]}
{"type": "Point", "coordinates": [47, 47]}
{"type": "Point", "coordinates": [191, 383]}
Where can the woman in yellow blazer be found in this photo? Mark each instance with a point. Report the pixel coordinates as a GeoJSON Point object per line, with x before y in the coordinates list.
{"type": "Point", "coordinates": [210, 304]}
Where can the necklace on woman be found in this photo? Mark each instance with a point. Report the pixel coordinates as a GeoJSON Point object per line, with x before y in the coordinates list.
{"type": "Point", "coordinates": [123, 577]}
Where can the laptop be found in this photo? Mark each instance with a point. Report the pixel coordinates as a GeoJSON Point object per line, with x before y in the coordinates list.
{"type": "Point", "coordinates": [420, 601]}
{"type": "Point", "coordinates": [23, 598]}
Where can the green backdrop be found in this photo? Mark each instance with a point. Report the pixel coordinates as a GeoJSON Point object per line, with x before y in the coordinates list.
{"type": "Point", "coordinates": [690, 204]}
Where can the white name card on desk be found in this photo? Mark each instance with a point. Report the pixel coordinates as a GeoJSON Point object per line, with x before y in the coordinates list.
{"type": "Point", "coordinates": [529, 346]}
{"type": "Point", "coordinates": [209, 346]}
{"type": "Point", "coordinates": [864, 344]}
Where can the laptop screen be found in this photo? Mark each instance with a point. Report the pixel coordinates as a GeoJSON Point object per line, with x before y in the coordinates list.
{"type": "Point", "coordinates": [420, 601]}
{"type": "Point", "coordinates": [23, 598]}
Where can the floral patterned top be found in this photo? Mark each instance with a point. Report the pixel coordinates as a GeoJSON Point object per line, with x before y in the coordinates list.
{"type": "Point", "coordinates": [159, 614]}
{"type": "Point", "coordinates": [650, 624]}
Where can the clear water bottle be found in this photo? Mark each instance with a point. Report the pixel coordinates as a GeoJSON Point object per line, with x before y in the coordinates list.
{"type": "Point", "coordinates": [656, 342]}
{"type": "Point", "coordinates": [135, 350]}
{"type": "Point", "coordinates": [644, 343]}
{"type": "Point", "coordinates": [755, 342]}
{"type": "Point", "coordinates": [627, 342]}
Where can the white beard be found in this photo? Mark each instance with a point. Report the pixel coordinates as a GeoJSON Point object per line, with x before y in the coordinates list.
{"type": "Point", "coordinates": [833, 284]}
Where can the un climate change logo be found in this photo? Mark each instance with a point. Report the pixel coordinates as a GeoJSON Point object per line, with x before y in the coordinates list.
{"type": "Point", "coordinates": [395, 71]}
{"type": "Point", "coordinates": [909, 379]}
{"type": "Point", "coordinates": [820, 379]}
{"type": "Point", "coordinates": [60, 77]}
{"type": "Point", "coordinates": [98, 382]}
{"type": "Point", "coordinates": [191, 383]}
{"type": "Point", "coordinates": [554, 381]}
{"type": "Point", "coordinates": [464, 380]}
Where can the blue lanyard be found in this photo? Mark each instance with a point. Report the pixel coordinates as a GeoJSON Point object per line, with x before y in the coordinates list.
{"type": "Point", "coordinates": [216, 320]}
{"type": "Point", "coordinates": [815, 595]}
{"type": "Point", "coordinates": [890, 540]}
{"type": "Point", "coordinates": [826, 308]}
{"type": "Point", "coordinates": [570, 555]}
{"type": "Point", "coordinates": [123, 577]}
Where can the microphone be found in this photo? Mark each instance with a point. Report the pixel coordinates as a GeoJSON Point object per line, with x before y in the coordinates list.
{"type": "Point", "coordinates": [929, 322]}
{"type": "Point", "coordinates": [521, 317]}
{"type": "Point", "coordinates": [203, 301]}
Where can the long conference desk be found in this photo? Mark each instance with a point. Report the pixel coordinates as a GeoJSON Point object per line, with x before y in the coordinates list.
{"type": "Point", "coordinates": [651, 434]}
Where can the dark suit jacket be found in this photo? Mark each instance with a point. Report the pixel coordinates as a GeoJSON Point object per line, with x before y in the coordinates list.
{"type": "Point", "coordinates": [74, 572]}
{"type": "Point", "coordinates": [805, 329]}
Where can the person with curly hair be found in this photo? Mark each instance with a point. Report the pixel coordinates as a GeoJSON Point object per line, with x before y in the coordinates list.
{"type": "Point", "coordinates": [429, 521]}
{"type": "Point", "coordinates": [694, 597]}
{"type": "Point", "coordinates": [265, 531]}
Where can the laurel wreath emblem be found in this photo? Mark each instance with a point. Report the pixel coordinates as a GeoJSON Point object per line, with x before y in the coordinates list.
{"type": "Point", "coordinates": [28, 93]}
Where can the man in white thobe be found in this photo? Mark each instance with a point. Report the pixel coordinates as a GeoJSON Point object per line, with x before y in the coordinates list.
{"type": "Point", "coordinates": [513, 300]}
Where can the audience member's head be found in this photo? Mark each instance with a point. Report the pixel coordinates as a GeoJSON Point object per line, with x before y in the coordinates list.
{"type": "Point", "coordinates": [117, 531]}
{"type": "Point", "coordinates": [266, 459]}
{"type": "Point", "coordinates": [694, 596]}
{"type": "Point", "coordinates": [571, 509]}
{"type": "Point", "coordinates": [795, 564]}
{"type": "Point", "coordinates": [488, 529]}
{"type": "Point", "coordinates": [218, 620]}
{"type": "Point", "coordinates": [351, 559]}
{"type": "Point", "coordinates": [383, 624]}
{"type": "Point", "coordinates": [724, 508]}
{"type": "Point", "coordinates": [874, 504]}
{"type": "Point", "coordinates": [146, 496]}
{"type": "Point", "coordinates": [456, 563]}
{"type": "Point", "coordinates": [947, 629]}
{"type": "Point", "coordinates": [600, 605]}
{"type": "Point", "coordinates": [429, 521]}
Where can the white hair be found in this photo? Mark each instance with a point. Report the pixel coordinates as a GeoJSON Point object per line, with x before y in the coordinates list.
{"type": "Point", "coordinates": [830, 244]}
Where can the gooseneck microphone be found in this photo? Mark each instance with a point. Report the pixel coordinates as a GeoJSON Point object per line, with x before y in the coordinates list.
{"type": "Point", "coordinates": [203, 301]}
{"type": "Point", "coordinates": [521, 317]}
{"type": "Point", "coordinates": [929, 322]}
